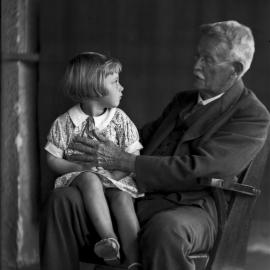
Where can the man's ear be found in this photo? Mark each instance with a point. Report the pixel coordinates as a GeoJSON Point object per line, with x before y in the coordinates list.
{"type": "Point", "coordinates": [238, 68]}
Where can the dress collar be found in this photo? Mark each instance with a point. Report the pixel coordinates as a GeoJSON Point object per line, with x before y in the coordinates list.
{"type": "Point", "coordinates": [77, 115]}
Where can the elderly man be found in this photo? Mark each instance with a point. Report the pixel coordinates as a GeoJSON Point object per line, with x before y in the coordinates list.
{"type": "Point", "coordinates": [213, 131]}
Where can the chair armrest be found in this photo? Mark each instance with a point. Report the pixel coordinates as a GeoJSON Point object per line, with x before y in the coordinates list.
{"type": "Point", "coordinates": [230, 185]}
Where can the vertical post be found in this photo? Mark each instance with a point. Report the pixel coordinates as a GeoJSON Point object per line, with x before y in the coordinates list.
{"type": "Point", "coordinates": [19, 148]}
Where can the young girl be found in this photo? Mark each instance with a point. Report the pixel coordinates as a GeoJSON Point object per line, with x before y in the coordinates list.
{"type": "Point", "coordinates": [92, 80]}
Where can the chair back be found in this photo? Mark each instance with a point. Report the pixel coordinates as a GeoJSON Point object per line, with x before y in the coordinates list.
{"type": "Point", "coordinates": [230, 249]}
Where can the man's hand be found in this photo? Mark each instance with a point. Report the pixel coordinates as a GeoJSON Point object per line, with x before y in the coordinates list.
{"type": "Point", "coordinates": [102, 153]}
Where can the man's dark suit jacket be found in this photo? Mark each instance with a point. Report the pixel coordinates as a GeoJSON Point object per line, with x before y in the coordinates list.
{"type": "Point", "coordinates": [219, 142]}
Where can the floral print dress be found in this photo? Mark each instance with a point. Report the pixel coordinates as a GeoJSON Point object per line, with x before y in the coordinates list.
{"type": "Point", "coordinates": [114, 124]}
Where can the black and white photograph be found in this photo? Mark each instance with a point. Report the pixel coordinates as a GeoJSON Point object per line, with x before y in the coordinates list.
{"type": "Point", "coordinates": [135, 135]}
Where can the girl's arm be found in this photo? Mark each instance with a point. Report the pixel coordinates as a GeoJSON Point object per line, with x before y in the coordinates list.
{"type": "Point", "coordinates": [62, 166]}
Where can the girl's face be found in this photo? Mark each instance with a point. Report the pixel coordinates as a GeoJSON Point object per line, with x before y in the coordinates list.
{"type": "Point", "coordinates": [114, 89]}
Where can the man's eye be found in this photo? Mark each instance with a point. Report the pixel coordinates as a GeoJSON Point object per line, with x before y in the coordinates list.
{"type": "Point", "coordinates": [208, 60]}
{"type": "Point", "coordinates": [196, 56]}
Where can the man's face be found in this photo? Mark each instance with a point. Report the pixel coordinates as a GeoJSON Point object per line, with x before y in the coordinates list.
{"type": "Point", "coordinates": [213, 71]}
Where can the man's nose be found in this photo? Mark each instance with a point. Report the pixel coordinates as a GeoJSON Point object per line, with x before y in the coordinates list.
{"type": "Point", "coordinates": [198, 63]}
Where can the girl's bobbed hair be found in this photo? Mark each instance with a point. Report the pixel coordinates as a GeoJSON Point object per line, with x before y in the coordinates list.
{"type": "Point", "coordinates": [85, 74]}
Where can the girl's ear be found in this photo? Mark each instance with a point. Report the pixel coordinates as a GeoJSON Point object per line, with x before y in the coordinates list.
{"type": "Point", "coordinates": [238, 67]}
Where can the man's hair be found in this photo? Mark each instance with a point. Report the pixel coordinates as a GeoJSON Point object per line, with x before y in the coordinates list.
{"type": "Point", "coordinates": [85, 74]}
{"type": "Point", "coordinates": [237, 36]}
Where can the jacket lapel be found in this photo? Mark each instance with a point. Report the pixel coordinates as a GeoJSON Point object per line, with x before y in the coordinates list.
{"type": "Point", "coordinates": [203, 119]}
{"type": "Point", "coordinates": [169, 122]}
{"type": "Point", "coordinates": [163, 131]}
{"type": "Point", "coordinates": [197, 123]}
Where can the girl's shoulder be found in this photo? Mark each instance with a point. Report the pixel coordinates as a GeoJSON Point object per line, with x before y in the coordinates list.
{"type": "Point", "coordinates": [126, 131]}
{"type": "Point", "coordinates": [62, 121]}
{"type": "Point", "coordinates": [119, 111]}
{"type": "Point", "coordinates": [60, 130]}
{"type": "Point", "coordinates": [121, 116]}
{"type": "Point", "coordinates": [63, 118]}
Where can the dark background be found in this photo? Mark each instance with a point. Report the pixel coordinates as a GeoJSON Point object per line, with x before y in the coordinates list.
{"type": "Point", "coordinates": [155, 41]}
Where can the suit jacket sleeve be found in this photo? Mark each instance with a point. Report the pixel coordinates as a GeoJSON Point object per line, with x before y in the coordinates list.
{"type": "Point", "coordinates": [220, 153]}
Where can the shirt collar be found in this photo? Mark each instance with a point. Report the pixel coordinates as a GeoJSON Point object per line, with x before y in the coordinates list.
{"type": "Point", "coordinates": [77, 115]}
{"type": "Point", "coordinates": [208, 100]}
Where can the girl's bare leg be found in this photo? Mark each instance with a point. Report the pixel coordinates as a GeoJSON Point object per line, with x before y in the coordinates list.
{"type": "Point", "coordinates": [97, 208]}
{"type": "Point", "coordinates": [122, 206]}
{"type": "Point", "coordinates": [95, 202]}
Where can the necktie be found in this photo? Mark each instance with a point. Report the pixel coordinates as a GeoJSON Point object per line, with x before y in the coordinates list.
{"type": "Point", "coordinates": [194, 109]}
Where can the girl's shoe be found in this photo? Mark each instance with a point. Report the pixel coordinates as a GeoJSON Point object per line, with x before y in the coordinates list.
{"type": "Point", "coordinates": [108, 249]}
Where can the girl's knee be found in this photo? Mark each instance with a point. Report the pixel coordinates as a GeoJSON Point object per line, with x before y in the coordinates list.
{"type": "Point", "coordinates": [119, 197]}
{"type": "Point", "coordinates": [87, 180]}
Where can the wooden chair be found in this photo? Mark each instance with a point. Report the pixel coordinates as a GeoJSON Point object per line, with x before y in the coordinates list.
{"type": "Point", "coordinates": [229, 251]}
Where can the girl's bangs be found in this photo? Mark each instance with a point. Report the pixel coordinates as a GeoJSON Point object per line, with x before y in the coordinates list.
{"type": "Point", "coordinates": [112, 67]}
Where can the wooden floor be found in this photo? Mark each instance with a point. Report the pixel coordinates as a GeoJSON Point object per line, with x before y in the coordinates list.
{"type": "Point", "coordinates": [86, 267]}
{"type": "Point", "coordinates": [255, 261]}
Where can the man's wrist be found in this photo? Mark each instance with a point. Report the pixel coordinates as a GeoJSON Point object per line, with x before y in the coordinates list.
{"type": "Point", "coordinates": [128, 162]}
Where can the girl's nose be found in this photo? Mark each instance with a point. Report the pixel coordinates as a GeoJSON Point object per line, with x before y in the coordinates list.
{"type": "Point", "coordinates": [121, 88]}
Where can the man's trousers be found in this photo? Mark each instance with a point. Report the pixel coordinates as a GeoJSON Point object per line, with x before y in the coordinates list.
{"type": "Point", "coordinates": [167, 236]}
